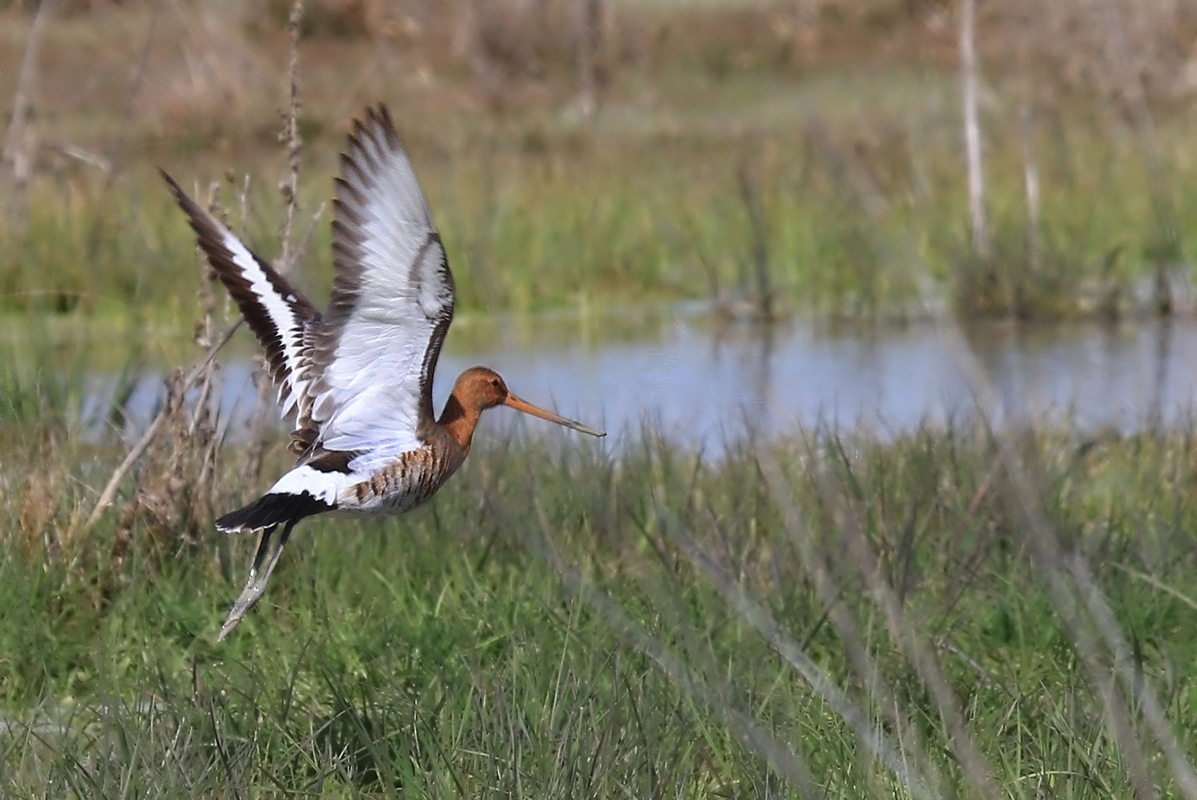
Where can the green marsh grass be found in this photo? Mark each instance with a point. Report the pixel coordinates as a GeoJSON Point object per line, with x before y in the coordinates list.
{"type": "Point", "coordinates": [824, 615]}
{"type": "Point", "coordinates": [561, 622]}
{"type": "Point", "coordinates": [848, 117]}
{"type": "Point", "coordinates": [587, 218]}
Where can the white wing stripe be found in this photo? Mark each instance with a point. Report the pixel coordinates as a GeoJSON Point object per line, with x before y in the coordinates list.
{"type": "Point", "coordinates": [284, 322]}
{"type": "Point", "coordinates": [288, 327]}
{"type": "Point", "coordinates": [324, 486]}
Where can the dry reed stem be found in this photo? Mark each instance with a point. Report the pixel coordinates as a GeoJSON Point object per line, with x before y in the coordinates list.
{"type": "Point", "coordinates": [263, 418]}
{"type": "Point", "coordinates": [289, 186]}
{"type": "Point", "coordinates": [1031, 186]}
{"type": "Point", "coordinates": [793, 654]}
{"type": "Point", "coordinates": [39, 493]}
{"type": "Point", "coordinates": [108, 494]}
{"type": "Point", "coordinates": [785, 762]}
{"type": "Point", "coordinates": [816, 563]}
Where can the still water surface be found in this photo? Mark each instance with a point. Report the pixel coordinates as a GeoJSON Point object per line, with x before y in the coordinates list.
{"type": "Point", "coordinates": [705, 383]}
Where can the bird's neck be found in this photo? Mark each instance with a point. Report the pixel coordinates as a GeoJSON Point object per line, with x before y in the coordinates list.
{"type": "Point", "coordinates": [459, 421]}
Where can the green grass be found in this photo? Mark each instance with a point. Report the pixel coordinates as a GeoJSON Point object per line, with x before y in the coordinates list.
{"type": "Point", "coordinates": [819, 616]}
{"type": "Point", "coordinates": [864, 209]}
{"type": "Point", "coordinates": [545, 627]}
{"type": "Point", "coordinates": [847, 122]}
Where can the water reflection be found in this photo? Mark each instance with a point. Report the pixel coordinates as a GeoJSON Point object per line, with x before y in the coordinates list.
{"type": "Point", "coordinates": [705, 383]}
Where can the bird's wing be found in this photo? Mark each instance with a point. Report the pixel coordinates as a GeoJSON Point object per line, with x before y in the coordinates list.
{"type": "Point", "coordinates": [391, 305]}
{"type": "Point", "coordinates": [282, 319]}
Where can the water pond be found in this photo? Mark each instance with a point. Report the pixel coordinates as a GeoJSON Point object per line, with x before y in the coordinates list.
{"type": "Point", "coordinates": [706, 382]}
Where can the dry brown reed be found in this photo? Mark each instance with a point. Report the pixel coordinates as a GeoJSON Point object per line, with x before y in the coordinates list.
{"type": "Point", "coordinates": [752, 196]}
{"type": "Point", "coordinates": [263, 421]}
{"type": "Point", "coordinates": [37, 509]}
{"type": "Point", "coordinates": [174, 463]}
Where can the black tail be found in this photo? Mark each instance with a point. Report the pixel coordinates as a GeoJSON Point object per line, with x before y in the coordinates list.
{"type": "Point", "coordinates": [270, 510]}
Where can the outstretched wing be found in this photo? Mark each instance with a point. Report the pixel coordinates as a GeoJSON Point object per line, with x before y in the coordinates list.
{"type": "Point", "coordinates": [391, 305]}
{"type": "Point", "coordinates": [282, 319]}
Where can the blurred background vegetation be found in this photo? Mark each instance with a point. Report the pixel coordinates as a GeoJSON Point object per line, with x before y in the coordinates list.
{"type": "Point", "coordinates": [956, 610]}
{"type": "Point", "coordinates": [601, 152]}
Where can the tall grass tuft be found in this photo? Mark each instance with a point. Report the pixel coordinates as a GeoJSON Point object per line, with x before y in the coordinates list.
{"type": "Point", "coordinates": [832, 612]}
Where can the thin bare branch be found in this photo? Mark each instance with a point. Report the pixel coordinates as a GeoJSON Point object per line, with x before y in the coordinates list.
{"type": "Point", "coordinates": [289, 186]}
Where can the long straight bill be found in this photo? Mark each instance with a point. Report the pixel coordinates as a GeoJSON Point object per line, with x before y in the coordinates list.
{"type": "Point", "coordinates": [528, 408]}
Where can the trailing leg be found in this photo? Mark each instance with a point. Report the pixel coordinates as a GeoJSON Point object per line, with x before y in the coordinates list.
{"type": "Point", "coordinates": [264, 562]}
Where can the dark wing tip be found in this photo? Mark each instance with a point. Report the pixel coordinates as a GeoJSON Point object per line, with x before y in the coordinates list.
{"type": "Point", "coordinates": [206, 227]}
{"type": "Point", "coordinates": [380, 115]}
{"type": "Point", "coordinates": [269, 328]}
{"type": "Point", "coordinates": [374, 123]}
{"type": "Point", "coordinates": [189, 206]}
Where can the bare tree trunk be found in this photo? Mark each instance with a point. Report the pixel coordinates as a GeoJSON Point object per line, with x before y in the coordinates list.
{"type": "Point", "coordinates": [20, 143]}
{"type": "Point", "coordinates": [972, 129]}
{"type": "Point", "coordinates": [589, 38]}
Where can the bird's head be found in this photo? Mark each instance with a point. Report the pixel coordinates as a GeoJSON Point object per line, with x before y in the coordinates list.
{"type": "Point", "coordinates": [481, 388]}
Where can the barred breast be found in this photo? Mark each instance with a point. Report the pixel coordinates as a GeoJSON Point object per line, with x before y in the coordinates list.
{"type": "Point", "coordinates": [403, 484]}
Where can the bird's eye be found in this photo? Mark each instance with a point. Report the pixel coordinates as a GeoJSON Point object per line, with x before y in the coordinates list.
{"type": "Point", "coordinates": [494, 382]}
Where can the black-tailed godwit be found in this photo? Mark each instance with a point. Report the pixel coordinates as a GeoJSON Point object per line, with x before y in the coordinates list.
{"type": "Point", "coordinates": [356, 382]}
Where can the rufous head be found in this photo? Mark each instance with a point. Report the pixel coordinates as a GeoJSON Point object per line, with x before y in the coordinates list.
{"type": "Point", "coordinates": [479, 388]}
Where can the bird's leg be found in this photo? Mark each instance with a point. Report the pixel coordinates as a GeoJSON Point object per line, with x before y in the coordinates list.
{"type": "Point", "coordinates": [252, 591]}
{"type": "Point", "coordinates": [259, 574]}
{"type": "Point", "coordinates": [263, 542]}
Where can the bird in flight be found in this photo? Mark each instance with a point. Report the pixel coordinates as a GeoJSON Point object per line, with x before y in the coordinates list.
{"type": "Point", "coordinates": [355, 383]}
